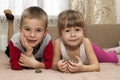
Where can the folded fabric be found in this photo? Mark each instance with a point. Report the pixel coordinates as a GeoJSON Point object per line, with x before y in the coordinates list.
{"type": "Point", "coordinates": [114, 49]}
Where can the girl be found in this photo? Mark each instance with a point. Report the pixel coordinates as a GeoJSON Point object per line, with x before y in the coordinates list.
{"type": "Point", "coordinates": [73, 51]}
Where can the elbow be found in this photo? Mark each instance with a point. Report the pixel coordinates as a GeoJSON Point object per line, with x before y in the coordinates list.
{"type": "Point", "coordinates": [48, 65]}
{"type": "Point", "coordinates": [97, 68]}
{"type": "Point", "coordinates": [54, 67]}
{"type": "Point", "coordinates": [16, 68]}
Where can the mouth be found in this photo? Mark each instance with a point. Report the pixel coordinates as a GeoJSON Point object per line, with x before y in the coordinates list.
{"type": "Point", "coordinates": [32, 41]}
{"type": "Point", "coordinates": [73, 39]}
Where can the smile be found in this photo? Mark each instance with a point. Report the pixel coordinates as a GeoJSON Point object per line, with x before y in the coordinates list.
{"type": "Point", "coordinates": [32, 41]}
{"type": "Point", "coordinates": [73, 39]}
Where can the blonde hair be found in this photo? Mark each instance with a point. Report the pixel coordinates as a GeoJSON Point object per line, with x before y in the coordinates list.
{"type": "Point", "coordinates": [70, 18]}
{"type": "Point", "coordinates": [35, 12]}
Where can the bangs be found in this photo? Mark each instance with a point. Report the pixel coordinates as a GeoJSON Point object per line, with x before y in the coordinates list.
{"type": "Point", "coordinates": [70, 18]}
{"type": "Point", "coordinates": [74, 20]}
{"type": "Point", "coordinates": [74, 23]}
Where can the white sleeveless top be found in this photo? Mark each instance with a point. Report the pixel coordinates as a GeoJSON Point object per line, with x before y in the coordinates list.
{"type": "Point", "coordinates": [83, 56]}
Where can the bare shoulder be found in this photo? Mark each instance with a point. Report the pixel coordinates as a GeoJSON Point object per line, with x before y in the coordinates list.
{"type": "Point", "coordinates": [86, 40]}
{"type": "Point", "coordinates": [57, 48]}
{"type": "Point", "coordinates": [57, 43]}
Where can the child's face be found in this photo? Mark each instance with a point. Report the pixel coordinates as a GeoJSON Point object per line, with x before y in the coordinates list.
{"type": "Point", "coordinates": [33, 30]}
{"type": "Point", "coordinates": [72, 36]}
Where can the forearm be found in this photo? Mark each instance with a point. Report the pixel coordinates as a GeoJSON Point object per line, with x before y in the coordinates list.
{"type": "Point", "coordinates": [28, 53]}
{"type": "Point", "coordinates": [38, 64]}
{"type": "Point", "coordinates": [89, 68]}
{"type": "Point", "coordinates": [54, 66]}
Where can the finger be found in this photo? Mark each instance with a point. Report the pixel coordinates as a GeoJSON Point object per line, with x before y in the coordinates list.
{"type": "Point", "coordinates": [63, 68]}
{"type": "Point", "coordinates": [22, 64]}
{"type": "Point", "coordinates": [21, 59]}
{"type": "Point", "coordinates": [71, 68]}
{"type": "Point", "coordinates": [23, 39]}
{"type": "Point", "coordinates": [62, 65]}
{"type": "Point", "coordinates": [78, 59]}
{"type": "Point", "coordinates": [72, 63]}
{"type": "Point", "coordinates": [63, 62]}
{"type": "Point", "coordinates": [22, 55]}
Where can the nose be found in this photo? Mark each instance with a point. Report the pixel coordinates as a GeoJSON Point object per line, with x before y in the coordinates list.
{"type": "Point", "coordinates": [73, 33]}
{"type": "Point", "coordinates": [32, 34]}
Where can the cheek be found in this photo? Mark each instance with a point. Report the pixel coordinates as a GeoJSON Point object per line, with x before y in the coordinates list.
{"type": "Point", "coordinates": [40, 36]}
{"type": "Point", "coordinates": [81, 34]}
{"type": "Point", "coordinates": [81, 37]}
{"type": "Point", "coordinates": [26, 34]}
{"type": "Point", "coordinates": [64, 35]}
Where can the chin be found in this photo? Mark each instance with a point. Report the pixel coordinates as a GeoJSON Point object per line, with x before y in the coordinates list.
{"type": "Point", "coordinates": [74, 44]}
{"type": "Point", "coordinates": [32, 45]}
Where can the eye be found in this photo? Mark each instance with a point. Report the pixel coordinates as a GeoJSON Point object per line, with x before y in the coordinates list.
{"type": "Point", "coordinates": [77, 29]}
{"type": "Point", "coordinates": [67, 30]}
{"type": "Point", "coordinates": [27, 29]}
{"type": "Point", "coordinates": [39, 30]}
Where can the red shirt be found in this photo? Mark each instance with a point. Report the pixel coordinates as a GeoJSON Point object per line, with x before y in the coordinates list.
{"type": "Point", "coordinates": [16, 50]}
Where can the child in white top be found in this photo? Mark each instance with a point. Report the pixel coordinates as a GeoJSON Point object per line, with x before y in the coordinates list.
{"type": "Point", "coordinates": [75, 49]}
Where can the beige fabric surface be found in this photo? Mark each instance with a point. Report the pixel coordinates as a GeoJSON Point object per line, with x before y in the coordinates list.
{"type": "Point", "coordinates": [109, 71]}
{"type": "Point", "coordinates": [104, 35]}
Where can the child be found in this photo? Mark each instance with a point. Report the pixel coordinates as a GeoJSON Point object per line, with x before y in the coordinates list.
{"type": "Point", "coordinates": [73, 51]}
{"type": "Point", "coordinates": [32, 47]}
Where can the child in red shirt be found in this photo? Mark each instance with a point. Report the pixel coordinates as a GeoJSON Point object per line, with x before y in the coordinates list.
{"type": "Point", "coordinates": [32, 47]}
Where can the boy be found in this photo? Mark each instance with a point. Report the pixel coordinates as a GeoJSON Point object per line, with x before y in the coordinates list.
{"type": "Point", "coordinates": [32, 47]}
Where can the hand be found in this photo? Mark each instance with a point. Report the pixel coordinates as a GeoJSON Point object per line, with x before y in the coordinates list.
{"type": "Point", "coordinates": [75, 66]}
{"type": "Point", "coordinates": [27, 61]}
{"type": "Point", "coordinates": [62, 65]}
{"type": "Point", "coordinates": [28, 48]}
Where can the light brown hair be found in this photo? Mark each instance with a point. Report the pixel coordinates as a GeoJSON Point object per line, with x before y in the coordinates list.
{"type": "Point", "coordinates": [69, 18]}
{"type": "Point", "coordinates": [35, 12]}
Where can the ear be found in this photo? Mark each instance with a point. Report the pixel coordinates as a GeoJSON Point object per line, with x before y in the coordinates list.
{"type": "Point", "coordinates": [20, 28]}
{"type": "Point", "coordinates": [46, 31]}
